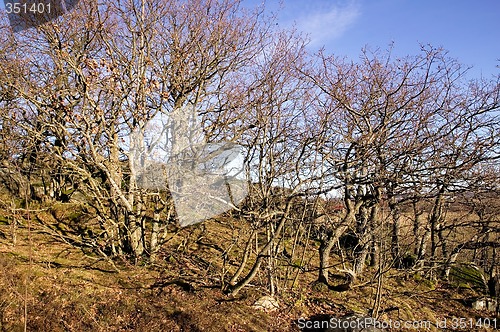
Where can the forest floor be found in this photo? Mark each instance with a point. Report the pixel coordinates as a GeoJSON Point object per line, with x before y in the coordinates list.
{"type": "Point", "coordinates": [50, 285]}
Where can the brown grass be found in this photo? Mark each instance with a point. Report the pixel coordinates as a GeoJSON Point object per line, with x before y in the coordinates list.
{"type": "Point", "coordinates": [68, 290]}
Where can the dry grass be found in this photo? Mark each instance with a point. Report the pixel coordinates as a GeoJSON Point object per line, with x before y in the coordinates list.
{"type": "Point", "coordinates": [66, 290]}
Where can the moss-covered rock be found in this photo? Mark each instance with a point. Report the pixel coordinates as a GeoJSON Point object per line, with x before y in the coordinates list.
{"type": "Point", "coordinates": [468, 275]}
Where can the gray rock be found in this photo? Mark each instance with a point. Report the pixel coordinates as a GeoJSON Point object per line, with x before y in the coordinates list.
{"type": "Point", "coordinates": [485, 303]}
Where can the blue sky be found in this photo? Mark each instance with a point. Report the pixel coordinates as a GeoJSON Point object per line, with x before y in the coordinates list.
{"type": "Point", "coordinates": [468, 29]}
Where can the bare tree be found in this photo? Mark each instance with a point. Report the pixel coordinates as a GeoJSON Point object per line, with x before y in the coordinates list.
{"type": "Point", "coordinates": [385, 117]}
{"type": "Point", "coordinates": [90, 78]}
{"type": "Point", "coordinates": [282, 150]}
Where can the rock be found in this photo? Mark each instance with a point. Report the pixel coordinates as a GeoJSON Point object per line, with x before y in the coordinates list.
{"type": "Point", "coordinates": [266, 303]}
{"type": "Point", "coordinates": [468, 274]}
{"type": "Point", "coordinates": [485, 303]}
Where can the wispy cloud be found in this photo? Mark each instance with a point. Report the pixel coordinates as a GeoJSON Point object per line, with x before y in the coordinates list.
{"type": "Point", "coordinates": [327, 22]}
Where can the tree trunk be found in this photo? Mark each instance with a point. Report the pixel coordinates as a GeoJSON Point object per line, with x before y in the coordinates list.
{"type": "Point", "coordinates": [263, 252]}
{"type": "Point", "coordinates": [435, 221]}
{"type": "Point", "coordinates": [135, 235]}
{"type": "Point", "coordinates": [243, 263]}
{"type": "Point", "coordinates": [360, 260]}
{"type": "Point", "coordinates": [348, 220]}
{"type": "Point", "coordinates": [325, 250]}
{"type": "Point", "coordinates": [373, 227]}
{"type": "Point", "coordinates": [395, 228]}
{"type": "Point", "coordinates": [361, 250]}
{"type": "Point", "coordinates": [154, 243]}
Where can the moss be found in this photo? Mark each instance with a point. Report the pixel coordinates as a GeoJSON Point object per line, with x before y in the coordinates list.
{"type": "Point", "coordinates": [4, 220]}
{"type": "Point", "coordinates": [424, 283]}
{"type": "Point", "coordinates": [431, 284]}
{"type": "Point", "coordinates": [319, 287]}
{"type": "Point", "coordinates": [467, 276]}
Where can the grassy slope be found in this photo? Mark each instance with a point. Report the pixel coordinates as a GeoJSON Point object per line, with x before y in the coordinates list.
{"type": "Point", "coordinates": [65, 290]}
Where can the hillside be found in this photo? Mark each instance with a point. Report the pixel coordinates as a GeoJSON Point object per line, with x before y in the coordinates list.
{"type": "Point", "coordinates": [58, 287]}
{"type": "Point", "coordinates": [198, 166]}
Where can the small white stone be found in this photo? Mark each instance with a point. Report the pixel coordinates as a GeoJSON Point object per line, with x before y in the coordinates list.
{"type": "Point", "coordinates": [266, 303]}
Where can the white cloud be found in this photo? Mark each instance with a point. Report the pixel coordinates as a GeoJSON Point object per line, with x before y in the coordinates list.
{"type": "Point", "coordinates": [326, 23]}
